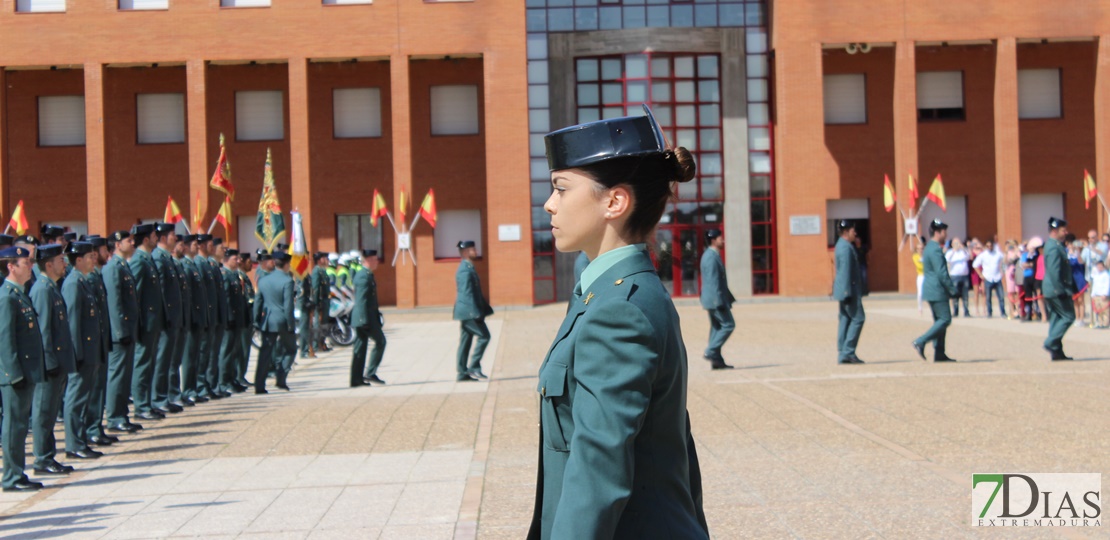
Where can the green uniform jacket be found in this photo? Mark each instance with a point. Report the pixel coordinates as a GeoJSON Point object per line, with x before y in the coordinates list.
{"type": "Point", "coordinates": [470, 303]}
{"type": "Point", "coordinates": [365, 313]}
{"type": "Point", "coordinates": [618, 460]}
{"type": "Point", "coordinates": [123, 304]}
{"type": "Point", "coordinates": [171, 287]}
{"type": "Point", "coordinates": [215, 270]}
{"type": "Point", "coordinates": [938, 286]}
{"type": "Point", "coordinates": [20, 341]}
{"type": "Point", "coordinates": [84, 317]}
{"type": "Point", "coordinates": [96, 279]}
{"type": "Point", "coordinates": [1058, 279]}
{"type": "Point", "coordinates": [148, 289]}
{"type": "Point", "coordinates": [304, 294]}
{"type": "Point", "coordinates": [198, 300]}
{"type": "Point", "coordinates": [273, 310]}
{"type": "Point", "coordinates": [213, 286]}
{"type": "Point", "coordinates": [233, 293]}
{"type": "Point", "coordinates": [186, 288]}
{"type": "Point", "coordinates": [248, 294]}
{"type": "Point", "coordinates": [849, 279]}
{"type": "Point", "coordinates": [57, 344]}
{"type": "Point", "coordinates": [321, 288]}
{"type": "Point", "coordinates": [714, 283]}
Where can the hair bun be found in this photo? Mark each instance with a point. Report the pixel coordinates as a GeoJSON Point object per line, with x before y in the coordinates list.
{"type": "Point", "coordinates": [684, 167]}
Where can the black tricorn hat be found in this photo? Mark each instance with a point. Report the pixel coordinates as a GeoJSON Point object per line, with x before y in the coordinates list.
{"type": "Point", "coordinates": [263, 255]}
{"type": "Point", "coordinates": [79, 248]}
{"type": "Point", "coordinates": [6, 240]}
{"type": "Point", "coordinates": [28, 239]}
{"type": "Point", "coordinates": [140, 231]}
{"type": "Point", "coordinates": [712, 233]}
{"type": "Point", "coordinates": [937, 225]}
{"type": "Point", "coordinates": [1055, 223]}
{"type": "Point", "coordinates": [594, 142]}
{"type": "Point", "coordinates": [369, 253]}
{"type": "Point", "coordinates": [70, 236]}
{"type": "Point", "coordinates": [244, 256]}
{"type": "Point", "coordinates": [15, 253]}
{"type": "Point", "coordinates": [466, 244]}
{"type": "Point", "coordinates": [51, 231]}
{"type": "Point", "coordinates": [844, 225]}
{"type": "Point", "coordinates": [281, 256]}
{"type": "Point", "coordinates": [48, 251]}
{"type": "Point", "coordinates": [96, 241]}
{"type": "Point", "coordinates": [119, 235]}
{"type": "Point", "coordinates": [202, 237]}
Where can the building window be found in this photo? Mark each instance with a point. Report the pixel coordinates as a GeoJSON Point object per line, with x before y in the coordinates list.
{"type": "Point", "coordinates": [248, 242]}
{"type": "Point", "coordinates": [357, 112]}
{"type": "Point", "coordinates": [855, 210]}
{"type": "Point", "coordinates": [144, 4]}
{"type": "Point", "coordinates": [346, 2]}
{"type": "Point", "coordinates": [161, 118]}
{"type": "Point", "coordinates": [244, 3]}
{"type": "Point", "coordinates": [846, 99]}
{"type": "Point", "coordinates": [61, 120]}
{"type": "Point", "coordinates": [259, 116]}
{"type": "Point", "coordinates": [455, 110]}
{"type": "Point", "coordinates": [454, 226]}
{"type": "Point", "coordinates": [1039, 94]}
{"type": "Point", "coordinates": [354, 232]}
{"type": "Point", "coordinates": [940, 95]}
{"type": "Point", "coordinates": [40, 6]}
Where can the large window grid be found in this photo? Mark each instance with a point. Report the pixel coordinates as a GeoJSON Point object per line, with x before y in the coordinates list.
{"type": "Point", "coordinates": [761, 160]}
{"type": "Point", "coordinates": [580, 15]}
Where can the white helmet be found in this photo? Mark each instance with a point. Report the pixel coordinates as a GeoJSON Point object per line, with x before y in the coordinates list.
{"type": "Point", "coordinates": [354, 255]}
{"type": "Point", "coordinates": [333, 258]}
{"type": "Point", "coordinates": [344, 259]}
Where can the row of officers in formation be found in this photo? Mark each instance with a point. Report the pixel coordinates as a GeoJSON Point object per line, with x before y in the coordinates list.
{"type": "Point", "coordinates": [938, 289]}
{"type": "Point", "coordinates": [144, 323]}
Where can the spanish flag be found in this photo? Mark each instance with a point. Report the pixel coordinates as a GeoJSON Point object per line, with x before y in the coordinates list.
{"type": "Point", "coordinates": [888, 194]}
{"type": "Point", "coordinates": [403, 207]}
{"type": "Point", "coordinates": [1090, 189]}
{"type": "Point", "coordinates": [173, 213]}
{"type": "Point", "coordinates": [297, 248]}
{"type": "Point", "coordinates": [913, 193]}
{"type": "Point", "coordinates": [378, 209]}
{"type": "Point", "coordinates": [936, 194]}
{"type": "Point", "coordinates": [19, 220]}
{"type": "Point", "coordinates": [223, 217]}
{"type": "Point", "coordinates": [428, 208]}
{"type": "Point", "coordinates": [221, 179]}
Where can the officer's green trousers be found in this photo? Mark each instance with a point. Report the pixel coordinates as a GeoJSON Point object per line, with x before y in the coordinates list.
{"type": "Point", "coordinates": [851, 325]}
{"type": "Point", "coordinates": [94, 414]}
{"type": "Point", "coordinates": [942, 317]}
{"type": "Point", "coordinates": [1061, 315]}
{"type": "Point", "coordinates": [121, 361]}
{"type": "Point", "coordinates": [358, 359]}
{"type": "Point", "coordinates": [78, 395]}
{"type": "Point", "coordinates": [17, 419]}
{"type": "Point", "coordinates": [190, 360]}
{"type": "Point", "coordinates": [470, 329]}
{"type": "Point", "coordinates": [143, 375]}
{"type": "Point", "coordinates": [44, 412]}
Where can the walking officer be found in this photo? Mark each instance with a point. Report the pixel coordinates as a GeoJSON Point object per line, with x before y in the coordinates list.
{"type": "Point", "coordinates": [321, 296]}
{"type": "Point", "coordinates": [57, 346]}
{"type": "Point", "coordinates": [937, 290]}
{"type": "Point", "coordinates": [716, 298]}
{"type": "Point", "coordinates": [83, 311]}
{"type": "Point", "coordinates": [273, 313]}
{"type": "Point", "coordinates": [152, 319]}
{"type": "Point", "coordinates": [848, 290]}
{"type": "Point", "coordinates": [304, 303]}
{"type": "Point", "coordinates": [471, 310]}
{"type": "Point", "coordinates": [123, 316]}
{"type": "Point", "coordinates": [367, 322]}
{"type": "Point", "coordinates": [22, 365]}
{"type": "Point", "coordinates": [1058, 288]}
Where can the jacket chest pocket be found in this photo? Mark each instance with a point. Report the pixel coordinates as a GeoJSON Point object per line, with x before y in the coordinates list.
{"type": "Point", "coordinates": [555, 416]}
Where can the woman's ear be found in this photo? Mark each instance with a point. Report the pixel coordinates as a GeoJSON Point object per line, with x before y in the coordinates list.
{"type": "Point", "coordinates": [618, 202]}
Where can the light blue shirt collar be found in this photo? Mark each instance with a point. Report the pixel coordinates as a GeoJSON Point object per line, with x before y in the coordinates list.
{"type": "Point", "coordinates": [605, 261]}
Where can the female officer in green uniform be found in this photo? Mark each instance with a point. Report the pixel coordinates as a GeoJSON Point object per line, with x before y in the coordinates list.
{"type": "Point", "coordinates": [616, 458]}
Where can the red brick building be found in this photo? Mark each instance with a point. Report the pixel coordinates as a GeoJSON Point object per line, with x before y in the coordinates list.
{"type": "Point", "coordinates": [1006, 100]}
{"type": "Point", "coordinates": [106, 108]}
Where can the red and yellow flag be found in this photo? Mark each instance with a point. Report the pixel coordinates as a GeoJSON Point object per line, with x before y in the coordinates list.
{"type": "Point", "coordinates": [378, 209]}
{"type": "Point", "coordinates": [403, 206]}
{"type": "Point", "coordinates": [19, 220]}
{"type": "Point", "coordinates": [913, 193]}
{"type": "Point", "coordinates": [888, 194]}
{"type": "Point", "coordinates": [223, 217]}
{"type": "Point", "coordinates": [428, 208]}
{"type": "Point", "coordinates": [173, 213]}
{"type": "Point", "coordinates": [936, 194]}
{"type": "Point", "coordinates": [1090, 189]}
{"type": "Point", "coordinates": [221, 179]}
{"type": "Point", "coordinates": [198, 214]}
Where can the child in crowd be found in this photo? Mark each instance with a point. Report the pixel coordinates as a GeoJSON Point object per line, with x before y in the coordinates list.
{"type": "Point", "coordinates": [1100, 295]}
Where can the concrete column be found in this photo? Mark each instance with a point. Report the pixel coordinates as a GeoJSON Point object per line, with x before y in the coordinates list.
{"type": "Point", "coordinates": [905, 150]}
{"type": "Point", "coordinates": [401, 120]}
{"type": "Point", "coordinates": [299, 162]}
{"type": "Point", "coordinates": [95, 167]}
{"type": "Point", "coordinates": [1007, 150]}
{"type": "Point", "coordinates": [200, 169]}
{"type": "Point", "coordinates": [738, 191]}
{"type": "Point", "coordinates": [1102, 127]}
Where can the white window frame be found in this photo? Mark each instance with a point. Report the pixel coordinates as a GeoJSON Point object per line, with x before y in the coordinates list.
{"type": "Point", "coordinates": [451, 110]}
{"type": "Point", "coordinates": [1040, 95]}
{"type": "Point", "coordinates": [61, 120]}
{"type": "Point", "coordinates": [454, 226]}
{"type": "Point", "coordinates": [143, 5]}
{"type": "Point", "coordinates": [845, 98]}
{"type": "Point", "coordinates": [346, 3]}
{"type": "Point", "coordinates": [255, 114]}
{"type": "Point", "coordinates": [40, 6]}
{"type": "Point", "coordinates": [244, 3]}
{"type": "Point", "coordinates": [160, 118]}
{"type": "Point", "coordinates": [356, 113]}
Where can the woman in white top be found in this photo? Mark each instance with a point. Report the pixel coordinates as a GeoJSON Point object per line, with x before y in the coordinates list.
{"type": "Point", "coordinates": [960, 271]}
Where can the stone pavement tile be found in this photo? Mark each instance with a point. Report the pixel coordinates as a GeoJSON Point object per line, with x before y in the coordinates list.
{"type": "Point", "coordinates": [428, 503]}
{"type": "Point", "coordinates": [275, 535]}
{"type": "Point", "coordinates": [273, 472]}
{"type": "Point", "coordinates": [217, 472]}
{"type": "Point", "coordinates": [385, 468]}
{"type": "Point", "coordinates": [424, 532]}
{"type": "Point", "coordinates": [442, 465]}
{"type": "Point", "coordinates": [345, 534]}
{"type": "Point", "coordinates": [822, 520]}
{"type": "Point", "coordinates": [362, 507]}
{"type": "Point", "coordinates": [229, 513]}
{"type": "Point", "coordinates": [329, 470]}
{"type": "Point", "coordinates": [295, 510]}
{"type": "Point", "coordinates": [743, 521]}
{"type": "Point", "coordinates": [162, 517]}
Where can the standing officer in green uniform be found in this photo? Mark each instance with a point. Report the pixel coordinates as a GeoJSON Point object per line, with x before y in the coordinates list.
{"type": "Point", "coordinates": [321, 294]}
{"type": "Point", "coordinates": [193, 333]}
{"type": "Point", "coordinates": [273, 313]}
{"type": "Point", "coordinates": [265, 265]}
{"type": "Point", "coordinates": [53, 234]}
{"type": "Point", "coordinates": [716, 298]}
{"type": "Point", "coordinates": [218, 297]}
{"type": "Point", "coordinates": [247, 330]}
{"type": "Point", "coordinates": [84, 315]}
{"type": "Point", "coordinates": [123, 314]}
{"type": "Point", "coordinates": [1058, 288]}
{"type": "Point", "coordinates": [471, 310]}
{"type": "Point", "coordinates": [616, 459]}
{"type": "Point", "coordinates": [152, 319]}
{"type": "Point", "coordinates": [306, 303]}
{"type": "Point", "coordinates": [937, 290]}
{"type": "Point", "coordinates": [57, 346]}
{"type": "Point", "coordinates": [848, 290]}
{"type": "Point", "coordinates": [231, 343]}
{"type": "Point", "coordinates": [175, 394]}
{"type": "Point", "coordinates": [212, 288]}
{"type": "Point", "coordinates": [22, 365]}
{"type": "Point", "coordinates": [96, 433]}
{"type": "Point", "coordinates": [168, 342]}
{"type": "Point", "coordinates": [367, 322]}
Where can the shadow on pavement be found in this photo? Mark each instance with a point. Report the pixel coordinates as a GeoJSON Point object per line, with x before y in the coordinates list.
{"type": "Point", "coordinates": [59, 533]}
{"type": "Point", "coordinates": [64, 510]}
{"type": "Point", "coordinates": [113, 479]}
{"type": "Point", "coordinates": [165, 448]}
{"type": "Point", "coordinates": [136, 464]}
{"type": "Point", "coordinates": [200, 504]}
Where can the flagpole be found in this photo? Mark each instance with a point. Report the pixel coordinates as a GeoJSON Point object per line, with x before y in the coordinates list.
{"type": "Point", "coordinates": [212, 226]}
{"type": "Point", "coordinates": [8, 227]}
{"type": "Point", "coordinates": [1100, 200]}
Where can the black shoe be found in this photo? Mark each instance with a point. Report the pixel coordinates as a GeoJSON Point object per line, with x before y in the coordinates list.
{"type": "Point", "coordinates": [158, 411]}
{"type": "Point", "coordinates": [920, 349]}
{"type": "Point", "coordinates": [87, 453]}
{"type": "Point", "coordinates": [238, 388]}
{"type": "Point", "coordinates": [149, 415]}
{"type": "Point", "coordinates": [245, 383]}
{"type": "Point", "coordinates": [477, 374]}
{"type": "Point", "coordinates": [110, 438]}
{"type": "Point", "coordinates": [174, 408]}
{"type": "Point", "coordinates": [374, 379]}
{"type": "Point", "coordinates": [200, 399]}
{"type": "Point", "coordinates": [260, 391]}
{"type": "Point", "coordinates": [225, 394]}
{"type": "Point", "coordinates": [100, 441]}
{"type": "Point", "coordinates": [23, 485]}
{"type": "Point", "coordinates": [854, 360]}
{"type": "Point", "coordinates": [720, 364]}
{"type": "Point", "coordinates": [134, 427]}
{"type": "Point", "coordinates": [944, 358]}
{"type": "Point", "coordinates": [364, 382]}
{"type": "Point", "coordinates": [465, 378]}
{"type": "Point", "coordinates": [123, 428]}
{"type": "Point", "coordinates": [283, 386]}
{"type": "Point", "coordinates": [52, 469]}
{"type": "Point", "coordinates": [188, 402]}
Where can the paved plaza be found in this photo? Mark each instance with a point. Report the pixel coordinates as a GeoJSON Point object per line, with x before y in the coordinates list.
{"type": "Point", "coordinates": [791, 444]}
